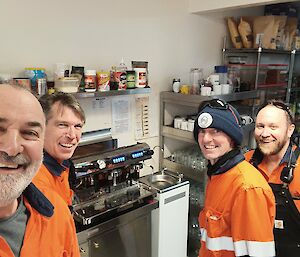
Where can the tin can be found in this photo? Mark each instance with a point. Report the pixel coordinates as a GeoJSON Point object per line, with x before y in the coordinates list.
{"type": "Point", "coordinates": [41, 86]}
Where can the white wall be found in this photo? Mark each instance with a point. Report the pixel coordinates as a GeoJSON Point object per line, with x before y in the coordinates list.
{"type": "Point", "coordinates": [197, 6]}
{"type": "Point", "coordinates": [98, 33]}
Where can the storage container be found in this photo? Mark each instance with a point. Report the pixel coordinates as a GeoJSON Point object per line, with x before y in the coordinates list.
{"type": "Point", "coordinates": [90, 83]}
{"type": "Point", "coordinates": [67, 85]}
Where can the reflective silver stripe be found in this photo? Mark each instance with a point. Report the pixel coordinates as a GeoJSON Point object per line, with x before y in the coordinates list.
{"type": "Point", "coordinates": [217, 243]}
{"type": "Point", "coordinates": [254, 248]}
{"type": "Point", "coordinates": [241, 248]}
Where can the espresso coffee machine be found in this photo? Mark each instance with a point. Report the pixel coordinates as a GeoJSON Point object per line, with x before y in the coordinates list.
{"type": "Point", "coordinates": [112, 209]}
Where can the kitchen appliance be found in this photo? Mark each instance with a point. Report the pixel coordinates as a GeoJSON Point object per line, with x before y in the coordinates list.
{"type": "Point", "coordinates": [169, 222]}
{"type": "Point", "coordinates": [112, 209]}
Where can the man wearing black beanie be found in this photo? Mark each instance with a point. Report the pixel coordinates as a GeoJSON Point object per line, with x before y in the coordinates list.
{"type": "Point", "coordinates": [238, 214]}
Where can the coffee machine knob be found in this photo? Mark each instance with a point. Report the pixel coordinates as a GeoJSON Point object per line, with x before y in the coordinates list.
{"type": "Point", "coordinates": [102, 164]}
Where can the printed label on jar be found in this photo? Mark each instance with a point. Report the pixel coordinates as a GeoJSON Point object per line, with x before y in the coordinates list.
{"type": "Point", "coordinates": [120, 78]}
{"type": "Point", "coordinates": [90, 83]}
{"type": "Point", "coordinates": [141, 77]}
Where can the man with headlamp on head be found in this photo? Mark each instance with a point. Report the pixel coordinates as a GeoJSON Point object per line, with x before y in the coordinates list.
{"type": "Point", "coordinates": [238, 214]}
{"type": "Point", "coordinates": [277, 158]}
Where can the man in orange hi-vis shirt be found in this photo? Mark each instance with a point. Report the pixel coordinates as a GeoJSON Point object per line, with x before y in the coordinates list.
{"type": "Point", "coordinates": [277, 158]}
{"type": "Point", "coordinates": [64, 121]}
{"type": "Point", "coordinates": [32, 224]}
{"type": "Point", "coordinates": [239, 209]}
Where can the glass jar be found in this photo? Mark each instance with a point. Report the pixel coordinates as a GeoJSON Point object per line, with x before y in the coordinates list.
{"type": "Point", "coordinates": [234, 78]}
{"type": "Point", "coordinates": [196, 75]}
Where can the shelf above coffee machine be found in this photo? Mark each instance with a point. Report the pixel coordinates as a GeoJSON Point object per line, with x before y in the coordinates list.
{"type": "Point", "coordinates": [135, 91]}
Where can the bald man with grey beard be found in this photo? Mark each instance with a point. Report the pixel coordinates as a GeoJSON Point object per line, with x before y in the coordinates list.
{"type": "Point", "coordinates": [32, 223]}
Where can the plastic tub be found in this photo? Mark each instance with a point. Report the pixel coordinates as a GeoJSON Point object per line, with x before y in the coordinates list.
{"type": "Point", "coordinates": [67, 85]}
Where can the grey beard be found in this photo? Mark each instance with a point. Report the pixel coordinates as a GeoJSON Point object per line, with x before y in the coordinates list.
{"type": "Point", "coordinates": [12, 185]}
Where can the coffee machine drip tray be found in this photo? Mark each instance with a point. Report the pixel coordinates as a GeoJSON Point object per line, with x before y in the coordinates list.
{"type": "Point", "coordinates": [103, 206]}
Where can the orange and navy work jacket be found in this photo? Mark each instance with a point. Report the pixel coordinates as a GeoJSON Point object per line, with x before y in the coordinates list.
{"type": "Point", "coordinates": [54, 176]}
{"type": "Point", "coordinates": [50, 229]}
{"type": "Point", "coordinates": [238, 214]}
{"type": "Point", "coordinates": [273, 176]}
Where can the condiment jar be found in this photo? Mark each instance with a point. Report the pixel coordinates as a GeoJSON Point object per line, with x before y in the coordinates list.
{"type": "Point", "coordinates": [90, 80]}
{"type": "Point", "coordinates": [176, 85]}
{"type": "Point", "coordinates": [140, 77]}
{"type": "Point", "coordinates": [130, 78]}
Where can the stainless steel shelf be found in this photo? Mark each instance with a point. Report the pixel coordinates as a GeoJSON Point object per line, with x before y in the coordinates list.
{"type": "Point", "coordinates": [195, 100]}
{"type": "Point", "coordinates": [194, 174]}
{"type": "Point", "coordinates": [256, 50]}
{"type": "Point", "coordinates": [113, 93]}
{"type": "Point", "coordinates": [178, 134]}
{"type": "Point", "coordinates": [295, 89]}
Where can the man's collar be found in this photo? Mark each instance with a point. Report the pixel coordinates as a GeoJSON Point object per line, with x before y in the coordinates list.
{"type": "Point", "coordinates": [53, 166]}
{"type": "Point", "coordinates": [38, 201]}
{"type": "Point", "coordinates": [286, 156]}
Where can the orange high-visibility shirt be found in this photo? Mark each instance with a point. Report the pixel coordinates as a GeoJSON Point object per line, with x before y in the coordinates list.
{"type": "Point", "coordinates": [53, 236]}
{"type": "Point", "coordinates": [238, 214]}
{"type": "Point", "coordinates": [44, 179]}
{"type": "Point", "coordinates": [273, 176]}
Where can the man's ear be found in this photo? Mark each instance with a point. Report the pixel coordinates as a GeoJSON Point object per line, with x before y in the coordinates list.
{"type": "Point", "coordinates": [291, 129]}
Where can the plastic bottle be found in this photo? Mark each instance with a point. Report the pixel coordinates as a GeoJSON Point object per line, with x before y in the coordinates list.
{"type": "Point", "coordinates": [121, 75]}
{"type": "Point", "coordinates": [122, 66]}
{"type": "Point", "coordinates": [176, 85]}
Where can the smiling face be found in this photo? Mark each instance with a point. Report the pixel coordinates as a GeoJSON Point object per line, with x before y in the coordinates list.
{"type": "Point", "coordinates": [214, 144]}
{"type": "Point", "coordinates": [22, 125]}
{"type": "Point", "coordinates": [63, 132]}
{"type": "Point", "coordinates": [272, 130]}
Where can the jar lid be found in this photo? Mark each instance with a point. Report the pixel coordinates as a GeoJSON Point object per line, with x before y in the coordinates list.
{"type": "Point", "coordinates": [90, 72]}
{"type": "Point", "coordinates": [196, 70]}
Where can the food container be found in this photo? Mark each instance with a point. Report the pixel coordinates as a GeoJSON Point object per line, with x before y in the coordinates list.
{"type": "Point", "coordinates": [67, 85]}
{"type": "Point", "coordinates": [90, 83]}
{"type": "Point", "coordinates": [78, 71]}
{"type": "Point", "coordinates": [237, 59]}
{"type": "Point", "coordinates": [130, 79]}
{"type": "Point", "coordinates": [34, 74]}
{"type": "Point", "coordinates": [141, 73]}
{"type": "Point", "coordinates": [24, 82]}
{"type": "Point", "coordinates": [140, 77]}
{"type": "Point", "coordinates": [103, 78]}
